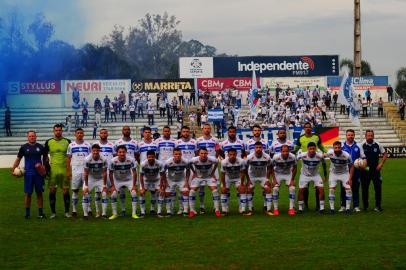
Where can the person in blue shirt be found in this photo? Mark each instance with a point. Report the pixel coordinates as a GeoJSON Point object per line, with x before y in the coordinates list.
{"type": "Point", "coordinates": [355, 150]}
{"type": "Point", "coordinates": [34, 154]}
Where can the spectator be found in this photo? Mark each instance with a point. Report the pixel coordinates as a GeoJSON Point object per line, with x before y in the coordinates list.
{"type": "Point", "coordinates": [140, 109]}
{"type": "Point", "coordinates": [3, 95]}
{"type": "Point", "coordinates": [380, 107]}
{"type": "Point", "coordinates": [186, 104]}
{"type": "Point", "coordinates": [113, 112]}
{"type": "Point", "coordinates": [364, 104]}
{"type": "Point", "coordinates": [124, 113]}
{"type": "Point", "coordinates": [68, 121]}
{"type": "Point", "coordinates": [121, 100]}
{"type": "Point", "coordinates": [193, 98]}
{"type": "Point", "coordinates": [97, 115]}
{"type": "Point", "coordinates": [180, 96]}
{"type": "Point", "coordinates": [132, 112]}
{"type": "Point", "coordinates": [85, 113]}
{"type": "Point", "coordinates": [180, 116]}
{"type": "Point", "coordinates": [85, 104]}
{"type": "Point", "coordinates": [7, 122]}
{"type": "Point", "coordinates": [169, 113]}
{"type": "Point", "coordinates": [389, 90]}
{"type": "Point", "coordinates": [97, 102]}
{"type": "Point", "coordinates": [368, 96]}
{"type": "Point", "coordinates": [402, 109]}
{"type": "Point", "coordinates": [162, 107]}
{"type": "Point", "coordinates": [204, 119]}
{"type": "Point", "coordinates": [77, 120]}
{"type": "Point", "coordinates": [150, 113]}
{"type": "Point", "coordinates": [94, 130]}
{"type": "Point", "coordinates": [335, 99]}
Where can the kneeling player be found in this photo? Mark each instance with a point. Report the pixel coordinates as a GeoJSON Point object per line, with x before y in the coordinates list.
{"type": "Point", "coordinates": [341, 169]}
{"type": "Point", "coordinates": [259, 170]}
{"type": "Point", "coordinates": [177, 175]}
{"type": "Point", "coordinates": [310, 173]}
{"type": "Point", "coordinates": [123, 174]}
{"type": "Point", "coordinates": [203, 168]}
{"type": "Point", "coordinates": [284, 167]}
{"type": "Point", "coordinates": [95, 175]}
{"type": "Point", "coordinates": [152, 178]}
{"type": "Point", "coordinates": [232, 173]}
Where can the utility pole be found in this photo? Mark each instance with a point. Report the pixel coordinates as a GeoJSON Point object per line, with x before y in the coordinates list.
{"type": "Point", "coordinates": [357, 38]}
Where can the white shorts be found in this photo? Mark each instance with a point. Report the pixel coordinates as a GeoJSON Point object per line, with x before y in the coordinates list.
{"type": "Point", "coordinates": [172, 185]}
{"type": "Point", "coordinates": [283, 178]}
{"type": "Point", "coordinates": [121, 185]}
{"type": "Point", "coordinates": [96, 185]}
{"type": "Point", "coordinates": [305, 180]}
{"type": "Point", "coordinates": [334, 178]}
{"type": "Point", "coordinates": [77, 180]}
{"type": "Point", "coordinates": [201, 182]}
{"type": "Point", "coordinates": [253, 181]}
{"type": "Point", "coordinates": [233, 182]}
{"type": "Point", "coordinates": [152, 186]}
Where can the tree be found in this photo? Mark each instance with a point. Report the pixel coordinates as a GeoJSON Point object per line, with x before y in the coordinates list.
{"type": "Point", "coordinates": [365, 67]}
{"type": "Point", "coordinates": [401, 82]}
{"type": "Point", "coordinates": [42, 31]}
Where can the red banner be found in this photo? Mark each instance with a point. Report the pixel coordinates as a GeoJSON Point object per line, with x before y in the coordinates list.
{"type": "Point", "coordinates": [219, 84]}
{"type": "Point", "coordinates": [43, 87]}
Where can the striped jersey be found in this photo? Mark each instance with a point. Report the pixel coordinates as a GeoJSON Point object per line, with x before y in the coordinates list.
{"type": "Point", "coordinates": [211, 145]}
{"type": "Point", "coordinates": [339, 164]}
{"type": "Point", "coordinates": [106, 150]}
{"type": "Point", "coordinates": [131, 145]}
{"type": "Point", "coordinates": [310, 165]}
{"type": "Point", "coordinates": [176, 171]}
{"type": "Point", "coordinates": [144, 147]}
{"type": "Point", "coordinates": [165, 148]}
{"type": "Point", "coordinates": [231, 170]}
{"type": "Point", "coordinates": [237, 145]}
{"type": "Point", "coordinates": [203, 169]}
{"type": "Point", "coordinates": [95, 167]}
{"type": "Point", "coordinates": [152, 172]}
{"type": "Point", "coordinates": [188, 148]}
{"type": "Point", "coordinates": [258, 166]}
{"type": "Point", "coordinates": [283, 166]}
{"type": "Point", "coordinates": [122, 170]}
{"type": "Point", "coordinates": [276, 146]}
{"type": "Point", "coordinates": [78, 153]}
{"type": "Point", "coordinates": [249, 145]}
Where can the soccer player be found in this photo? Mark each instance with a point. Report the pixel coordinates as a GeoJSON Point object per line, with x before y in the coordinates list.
{"type": "Point", "coordinates": [373, 150]}
{"type": "Point", "coordinates": [356, 151]}
{"type": "Point", "coordinates": [132, 152]}
{"type": "Point", "coordinates": [301, 144]}
{"type": "Point", "coordinates": [152, 179]}
{"type": "Point", "coordinates": [95, 176]}
{"type": "Point", "coordinates": [123, 174]}
{"type": "Point", "coordinates": [232, 173]}
{"type": "Point", "coordinates": [188, 147]}
{"type": "Point", "coordinates": [165, 145]}
{"type": "Point", "coordinates": [256, 137]}
{"type": "Point", "coordinates": [75, 165]}
{"type": "Point", "coordinates": [341, 169]}
{"type": "Point", "coordinates": [232, 143]}
{"type": "Point", "coordinates": [310, 173]}
{"type": "Point", "coordinates": [284, 168]}
{"type": "Point", "coordinates": [212, 145]}
{"type": "Point", "coordinates": [203, 168]}
{"type": "Point", "coordinates": [177, 175]}
{"type": "Point", "coordinates": [106, 150]}
{"type": "Point", "coordinates": [57, 147]}
{"type": "Point", "coordinates": [259, 170]}
{"type": "Point", "coordinates": [280, 141]}
{"type": "Point", "coordinates": [33, 153]}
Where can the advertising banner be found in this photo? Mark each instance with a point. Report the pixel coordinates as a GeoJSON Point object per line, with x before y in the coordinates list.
{"type": "Point", "coordinates": [360, 83]}
{"type": "Point", "coordinates": [276, 66]}
{"type": "Point", "coordinates": [168, 85]}
{"type": "Point", "coordinates": [34, 88]}
{"type": "Point", "coordinates": [195, 67]}
{"type": "Point", "coordinates": [293, 82]}
{"type": "Point", "coordinates": [220, 84]}
{"type": "Point", "coordinates": [396, 151]}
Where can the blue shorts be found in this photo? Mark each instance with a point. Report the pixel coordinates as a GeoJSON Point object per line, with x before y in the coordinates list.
{"type": "Point", "coordinates": [31, 181]}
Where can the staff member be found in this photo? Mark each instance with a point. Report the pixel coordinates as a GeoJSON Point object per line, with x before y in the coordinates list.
{"type": "Point", "coordinates": [372, 150]}
{"type": "Point", "coordinates": [33, 154]}
{"type": "Point", "coordinates": [301, 145]}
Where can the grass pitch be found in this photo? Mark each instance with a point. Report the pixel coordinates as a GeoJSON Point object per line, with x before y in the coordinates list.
{"type": "Point", "coordinates": [366, 240]}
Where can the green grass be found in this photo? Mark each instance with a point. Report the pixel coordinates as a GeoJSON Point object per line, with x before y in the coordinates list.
{"type": "Point", "coordinates": [366, 240]}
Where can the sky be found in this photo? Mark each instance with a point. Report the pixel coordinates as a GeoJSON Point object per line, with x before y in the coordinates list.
{"type": "Point", "coordinates": [244, 27]}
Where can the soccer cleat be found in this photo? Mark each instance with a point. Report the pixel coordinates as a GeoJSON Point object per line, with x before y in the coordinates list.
{"type": "Point", "coordinates": [224, 214]}
{"type": "Point", "coordinates": [185, 214]}
{"type": "Point", "coordinates": [300, 211]}
{"type": "Point", "coordinates": [90, 214]}
{"type": "Point", "coordinates": [269, 213]}
{"type": "Point", "coordinates": [123, 213]}
{"type": "Point", "coordinates": [291, 212]}
{"type": "Point", "coordinates": [249, 213]}
{"type": "Point", "coordinates": [98, 214]}
{"type": "Point", "coordinates": [112, 217]}
{"type": "Point", "coordinates": [321, 212]}
{"type": "Point", "coordinates": [85, 218]}
{"type": "Point", "coordinates": [202, 210]}
{"type": "Point", "coordinates": [67, 215]}
{"type": "Point", "coordinates": [357, 209]}
{"type": "Point", "coordinates": [74, 214]}
{"type": "Point", "coordinates": [134, 216]}
{"type": "Point", "coordinates": [242, 213]}
{"type": "Point", "coordinates": [152, 212]}
{"type": "Point", "coordinates": [104, 217]}
{"type": "Point", "coordinates": [332, 212]}
{"type": "Point", "coordinates": [141, 215]}
{"type": "Point", "coordinates": [342, 209]}
{"type": "Point", "coordinates": [160, 215]}
{"type": "Point", "coordinates": [180, 212]}
{"type": "Point", "coordinates": [42, 217]}
{"type": "Point", "coordinates": [378, 209]}
{"type": "Point", "coordinates": [348, 211]}
{"type": "Point", "coordinates": [218, 213]}
{"type": "Point", "coordinates": [191, 214]}
{"type": "Point", "coordinates": [52, 216]}
{"type": "Point", "coordinates": [276, 212]}
{"type": "Point", "coordinates": [168, 215]}
{"type": "Point", "coordinates": [264, 209]}
{"type": "Point", "coordinates": [27, 217]}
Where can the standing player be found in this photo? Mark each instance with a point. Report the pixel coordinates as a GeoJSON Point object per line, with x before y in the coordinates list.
{"type": "Point", "coordinates": [280, 141]}
{"type": "Point", "coordinates": [212, 145]}
{"type": "Point", "coordinates": [284, 168]}
{"type": "Point", "coordinates": [259, 170]}
{"type": "Point", "coordinates": [132, 152]}
{"type": "Point", "coordinates": [341, 169]}
{"type": "Point", "coordinates": [152, 178]}
{"type": "Point", "coordinates": [165, 145]}
{"type": "Point", "coordinates": [310, 173]}
{"type": "Point", "coordinates": [203, 168]}
{"type": "Point", "coordinates": [256, 137]}
{"type": "Point", "coordinates": [123, 174]}
{"type": "Point", "coordinates": [356, 151]}
{"type": "Point", "coordinates": [33, 154]}
{"type": "Point", "coordinates": [177, 175]}
{"type": "Point", "coordinates": [232, 143]}
{"type": "Point", "coordinates": [188, 147]}
{"type": "Point", "coordinates": [95, 175]}
{"type": "Point", "coordinates": [56, 147]}
{"type": "Point", "coordinates": [148, 144]}
{"type": "Point", "coordinates": [232, 173]}
{"type": "Point", "coordinates": [75, 165]}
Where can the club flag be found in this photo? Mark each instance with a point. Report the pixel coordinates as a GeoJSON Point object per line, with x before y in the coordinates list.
{"type": "Point", "coordinates": [347, 96]}
{"type": "Point", "coordinates": [253, 96]}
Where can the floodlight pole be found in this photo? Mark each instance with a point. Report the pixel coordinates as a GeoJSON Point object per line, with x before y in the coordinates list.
{"type": "Point", "coordinates": [357, 38]}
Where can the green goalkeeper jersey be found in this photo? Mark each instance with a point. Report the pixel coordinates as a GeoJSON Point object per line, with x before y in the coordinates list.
{"type": "Point", "coordinates": [57, 151]}
{"type": "Point", "coordinates": [303, 141]}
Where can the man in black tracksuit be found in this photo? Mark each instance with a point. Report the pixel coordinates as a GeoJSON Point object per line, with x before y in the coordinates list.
{"type": "Point", "coordinates": [373, 150]}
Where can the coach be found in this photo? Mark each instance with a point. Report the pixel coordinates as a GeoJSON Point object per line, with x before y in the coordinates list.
{"type": "Point", "coordinates": [33, 154]}
{"type": "Point", "coordinates": [372, 150]}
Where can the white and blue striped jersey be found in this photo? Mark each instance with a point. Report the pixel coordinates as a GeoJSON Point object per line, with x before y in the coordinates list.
{"type": "Point", "coordinates": [276, 146]}
{"type": "Point", "coordinates": [152, 172]}
{"type": "Point", "coordinates": [283, 166]}
{"type": "Point", "coordinates": [165, 148]}
{"type": "Point", "coordinates": [188, 148]}
{"type": "Point", "coordinates": [237, 145]}
{"type": "Point", "coordinates": [211, 145]}
{"type": "Point", "coordinates": [144, 147]}
{"type": "Point", "coordinates": [258, 166]}
{"type": "Point", "coordinates": [231, 170]}
{"type": "Point", "coordinates": [339, 164]}
{"type": "Point", "coordinates": [95, 167]}
{"type": "Point", "coordinates": [249, 146]}
{"type": "Point", "coordinates": [122, 170]}
{"type": "Point", "coordinates": [131, 145]}
{"type": "Point", "coordinates": [310, 165]}
{"type": "Point", "coordinates": [106, 150]}
{"type": "Point", "coordinates": [78, 153]}
{"type": "Point", "coordinates": [176, 171]}
{"type": "Point", "coordinates": [203, 169]}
